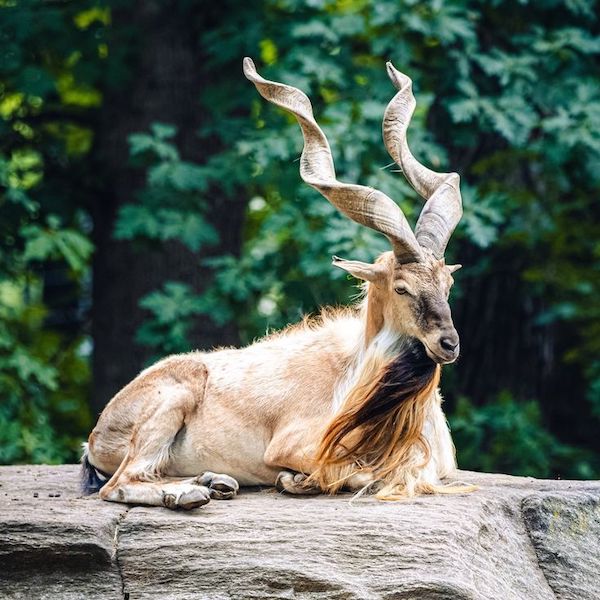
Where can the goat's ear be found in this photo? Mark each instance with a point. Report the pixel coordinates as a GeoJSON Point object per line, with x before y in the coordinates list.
{"type": "Point", "coordinates": [360, 270]}
{"type": "Point", "coordinates": [453, 268]}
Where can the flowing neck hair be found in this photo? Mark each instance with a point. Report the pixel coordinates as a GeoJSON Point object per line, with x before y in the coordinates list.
{"type": "Point", "coordinates": [379, 427]}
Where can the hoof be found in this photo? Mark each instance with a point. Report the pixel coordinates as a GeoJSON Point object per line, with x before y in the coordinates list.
{"type": "Point", "coordinates": [293, 483]}
{"type": "Point", "coordinates": [186, 499]}
{"type": "Point", "coordinates": [220, 487]}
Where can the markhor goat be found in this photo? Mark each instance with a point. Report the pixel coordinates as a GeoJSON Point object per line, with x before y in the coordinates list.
{"type": "Point", "coordinates": [347, 400]}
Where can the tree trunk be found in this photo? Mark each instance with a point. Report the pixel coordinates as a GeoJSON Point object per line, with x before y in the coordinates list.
{"type": "Point", "coordinates": [165, 84]}
{"type": "Point", "coordinates": [503, 347]}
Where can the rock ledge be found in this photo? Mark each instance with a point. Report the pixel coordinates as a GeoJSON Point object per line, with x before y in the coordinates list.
{"type": "Point", "coordinates": [514, 538]}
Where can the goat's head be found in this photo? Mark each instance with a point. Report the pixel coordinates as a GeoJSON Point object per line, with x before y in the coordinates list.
{"type": "Point", "coordinates": [412, 282]}
{"type": "Point", "coordinates": [413, 298]}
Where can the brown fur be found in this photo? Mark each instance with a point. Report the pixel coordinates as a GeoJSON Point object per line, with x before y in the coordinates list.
{"type": "Point", "coordinates": [331, 397]}
{"type": "Point", "coordinates": [250, 412]}
{"type": "Point", "coordinates": [374, 321]}
{"type": "Point", "coordinates": [380, 426]}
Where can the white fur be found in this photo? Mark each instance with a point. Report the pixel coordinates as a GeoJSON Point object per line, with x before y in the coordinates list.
{"type": "Point", "coordinates": [385, 343]}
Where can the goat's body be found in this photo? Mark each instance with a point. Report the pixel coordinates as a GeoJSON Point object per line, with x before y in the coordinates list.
{"type": "Point", "coordinates": [348, 400]}
{"type": "Point", "coordinates": [236, 401]}
{"type": "Point", "coordinates": [247, 412]}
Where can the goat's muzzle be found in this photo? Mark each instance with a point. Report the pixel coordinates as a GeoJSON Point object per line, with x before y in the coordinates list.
{"type": "Point", "coordinates": [446, 349]}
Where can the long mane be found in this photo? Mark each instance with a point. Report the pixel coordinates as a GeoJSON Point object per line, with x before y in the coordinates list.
{"type": "Point", "coordinates": [379, 428]}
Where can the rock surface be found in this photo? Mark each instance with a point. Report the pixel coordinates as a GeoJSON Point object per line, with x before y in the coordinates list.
{"type": "Point", "coordinates": [514, 538]}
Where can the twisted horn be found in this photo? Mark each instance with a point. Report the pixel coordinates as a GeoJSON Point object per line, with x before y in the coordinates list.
{"type": "Point", "coordinates": [443, 206]}
{"type": "Point", "coordinates": [364, 205]}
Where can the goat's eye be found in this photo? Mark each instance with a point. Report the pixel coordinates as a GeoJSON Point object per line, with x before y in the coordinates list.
{"type": "Point", "coordinates": [401, 291]}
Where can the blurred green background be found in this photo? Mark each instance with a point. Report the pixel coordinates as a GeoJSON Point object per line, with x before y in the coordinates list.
{"type": "Point", "coordinates": [151, 202]}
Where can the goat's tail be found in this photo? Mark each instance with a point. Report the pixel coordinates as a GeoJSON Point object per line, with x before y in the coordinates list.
{"type": "Point", "coordinates": [92, 479]}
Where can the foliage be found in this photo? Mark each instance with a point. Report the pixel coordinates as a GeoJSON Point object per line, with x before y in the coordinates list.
{"type": "Point", "coordinates": [510, 437]}
{"type": "Point", "coordinates": [43, 375]}
{"type": "Point", "coordinates": [45, 247]}
{"type": "Point", "coordinates": [507, 96]}
{"type": "Point", "coordinates": [172, 309]}
{"type": "Point", "coordinates": [43, 379]}
{"type": "Point", "coordinates": [156, 216]}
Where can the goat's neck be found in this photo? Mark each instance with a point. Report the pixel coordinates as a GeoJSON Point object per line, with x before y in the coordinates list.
{"type": "Point", "coordinates": [376, 345]}
{"type": "Point", "coordinates": [377, 336]}
{"type": "Point", "coordinates": [372, 314]}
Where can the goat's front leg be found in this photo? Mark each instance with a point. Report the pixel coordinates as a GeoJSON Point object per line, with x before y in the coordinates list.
{"type": "Point", "coordinates": [291, 450]}
{"type": "Point", "coordinates": [295, 483]}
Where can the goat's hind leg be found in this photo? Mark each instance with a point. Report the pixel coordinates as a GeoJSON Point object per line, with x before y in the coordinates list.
{"type": "Point", "coordinates": [140, 479]}
{"type": "Point", "coordinates": [171, 494]}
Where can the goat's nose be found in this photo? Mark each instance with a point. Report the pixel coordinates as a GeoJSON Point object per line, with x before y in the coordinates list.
{"type": "Point", "coordinates": [449, 343]}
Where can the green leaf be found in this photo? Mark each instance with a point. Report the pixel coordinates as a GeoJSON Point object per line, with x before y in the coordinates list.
{"type": "Point", "coordinates": [163, 131]}
{"type": "Point", "coordinates": [164, 224]}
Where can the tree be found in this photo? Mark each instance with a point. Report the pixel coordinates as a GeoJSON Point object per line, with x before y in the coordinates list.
{"type": "Point", "coordinates": [44, 249]}
{"type": "Point", "coordinates": [179, 215]}
{"type": "Point", "coordinates": [135, 118]}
